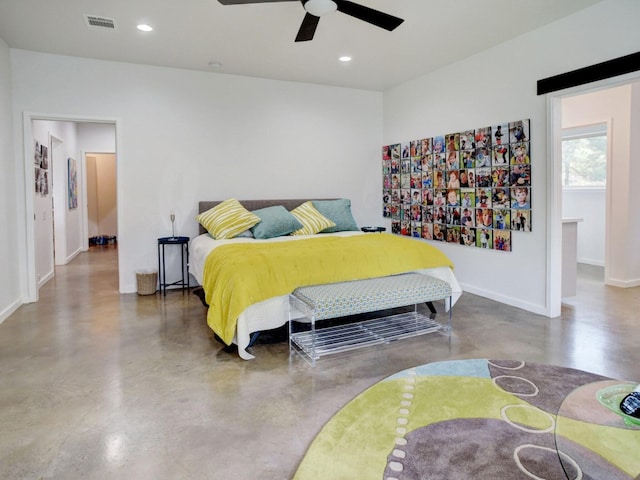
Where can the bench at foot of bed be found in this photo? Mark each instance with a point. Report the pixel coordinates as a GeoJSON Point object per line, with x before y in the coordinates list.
{"type": "Point", "coordinates": [334, 300]}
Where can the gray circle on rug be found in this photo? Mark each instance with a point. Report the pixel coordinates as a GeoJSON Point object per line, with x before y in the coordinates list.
{"type": "Point", "coordinates": [482, 448]}
{"type": "Point", "coordinates": [554, 383]}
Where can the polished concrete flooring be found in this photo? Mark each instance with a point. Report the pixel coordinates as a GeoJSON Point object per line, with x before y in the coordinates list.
{"type": "Point", "coordinates": [97, 385]}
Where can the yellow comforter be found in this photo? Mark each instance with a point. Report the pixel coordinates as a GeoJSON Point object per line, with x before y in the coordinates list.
{"type": "Point", "coordinates": [238, 275]}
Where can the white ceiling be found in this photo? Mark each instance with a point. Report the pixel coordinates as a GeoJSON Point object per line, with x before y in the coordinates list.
{"type": "Point", "coordinates": [258, 39]}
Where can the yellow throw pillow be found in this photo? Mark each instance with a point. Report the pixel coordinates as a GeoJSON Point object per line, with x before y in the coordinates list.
{"type": "Point", "coordinates": [227, 219]}
{"type": "Point", "coordinates": [311, 219]}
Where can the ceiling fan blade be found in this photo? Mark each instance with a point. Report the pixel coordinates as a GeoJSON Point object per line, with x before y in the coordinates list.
{"type": "Point", "coordinates": [308, 28]}
{"type": "Point", "coordinates": [243, 2]}
{"type": "Point", "coordinates": [369, 15]}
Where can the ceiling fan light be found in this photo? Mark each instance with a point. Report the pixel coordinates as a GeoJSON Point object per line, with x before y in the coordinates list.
{"type": "Point", "coordinates": [320, 7]}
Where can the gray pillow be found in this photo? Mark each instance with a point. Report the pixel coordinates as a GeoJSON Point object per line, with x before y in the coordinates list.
{"type": "Point", "coordinates": [339, 211]}
{"type": "Point", "coordinates": [275, 221]}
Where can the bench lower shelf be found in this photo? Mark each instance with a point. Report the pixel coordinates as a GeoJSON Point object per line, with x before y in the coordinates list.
{"type": "Point", "coordinates": [316, 343]}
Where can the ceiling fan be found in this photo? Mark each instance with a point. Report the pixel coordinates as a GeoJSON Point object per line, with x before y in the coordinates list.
{"type": "Point", "coordinates": [317, 8]}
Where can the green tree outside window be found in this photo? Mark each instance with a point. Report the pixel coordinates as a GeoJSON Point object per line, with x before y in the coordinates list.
{"type": "Point", "coordinates": [584, 160]}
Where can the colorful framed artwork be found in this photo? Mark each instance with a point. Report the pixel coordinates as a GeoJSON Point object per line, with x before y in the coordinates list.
{"type": "Point", "coordinates": [72, 184]}
{"type": "Point", "coordinates": [471, 187]}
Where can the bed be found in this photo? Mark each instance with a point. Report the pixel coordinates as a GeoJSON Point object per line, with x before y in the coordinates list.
{"type": "Point", "coordinates": [246, 281]}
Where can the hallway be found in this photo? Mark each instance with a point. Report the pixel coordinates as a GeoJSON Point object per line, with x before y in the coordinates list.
{"type": "Point", "coordinates": [100, 385]}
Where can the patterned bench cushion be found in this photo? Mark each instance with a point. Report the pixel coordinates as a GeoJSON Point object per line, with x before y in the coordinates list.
{"type": "Point", "coordinates": [360, 296]}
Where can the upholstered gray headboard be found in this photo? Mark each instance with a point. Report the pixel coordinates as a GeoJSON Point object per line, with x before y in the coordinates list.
{"type": "Point", "coordinates": [289, 204]}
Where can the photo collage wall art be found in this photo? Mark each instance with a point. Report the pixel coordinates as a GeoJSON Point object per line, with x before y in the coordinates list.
{"type": "Point", "coordinates": [472, 188]}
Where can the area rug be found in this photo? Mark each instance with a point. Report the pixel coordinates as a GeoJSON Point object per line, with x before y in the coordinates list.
{"type": "Point", "coordinates": [477, 419]}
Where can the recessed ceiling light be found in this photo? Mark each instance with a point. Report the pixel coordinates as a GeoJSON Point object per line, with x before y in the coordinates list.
{"type": "Point", "coordinates": [345, 58]}
{"type": "Point", "coordinates": [143, 27]}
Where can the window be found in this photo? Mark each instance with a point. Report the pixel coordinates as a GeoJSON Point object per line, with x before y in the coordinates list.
{"type": "Point", "coordinates": [584, 156]}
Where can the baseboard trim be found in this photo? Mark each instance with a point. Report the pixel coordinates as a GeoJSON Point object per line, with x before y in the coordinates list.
{"type": "Point", "coordinates": [623, 283]}
{"type": "Point", "coordinates": [513, 302]}
{"type": "Point", "coordinates": [589, 261]}
{"type": "Point", "coordinates": [45, 279]}
{"type": "Point", "coordinates": [6, 313]}
{"type": "Point", "coordinates": [73, 255]}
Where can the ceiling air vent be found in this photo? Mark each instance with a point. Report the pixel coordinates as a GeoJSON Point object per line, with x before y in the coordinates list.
{"type": "Point", "coordinates": [102, 23]}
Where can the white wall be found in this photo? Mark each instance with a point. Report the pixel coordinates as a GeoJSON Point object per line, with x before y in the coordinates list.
{"type": "Point", "coordinates": [589, 205]}
{"type": "Point", "coordinates": [97, 137]}
{"type": "Point", "coordinates": [499, 85]}
{"type": "Point", "coordinates": [633, 257]}
{"type": "Point", "coordinates": [10, 294]}
{"type": "Point", "coordinates": [184, 136]}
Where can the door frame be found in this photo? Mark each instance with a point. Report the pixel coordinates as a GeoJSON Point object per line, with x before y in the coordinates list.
{"type": "Point", "coordinates": [554, 183]}
{"type": "Point", "coordinates": [54, 140]}
{"type": "Point", "coordinates": [28, 262]}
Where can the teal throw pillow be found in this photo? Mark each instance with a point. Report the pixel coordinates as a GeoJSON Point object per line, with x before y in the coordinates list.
{"type": "Point", "coordinates": [275, 221]}
{"type": "Point", "coordinates": [339, 211]}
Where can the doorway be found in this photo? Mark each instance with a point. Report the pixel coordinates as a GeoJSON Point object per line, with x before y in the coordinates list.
{"type": "Point", "coordinates": [102, 196]}
{"type": "Point", "coordinates": [65, 209]}
{"type": "Point", "coordinates": [585, 159]}
{"type": "Point", "coordinates": [609, 102]}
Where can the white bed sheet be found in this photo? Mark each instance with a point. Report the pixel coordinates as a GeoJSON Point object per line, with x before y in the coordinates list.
{"type": "Point", "coordinates": [274, 312]}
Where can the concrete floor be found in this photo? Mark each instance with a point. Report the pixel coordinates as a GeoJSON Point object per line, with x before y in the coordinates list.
{"type": "Point", "coordinates": [97, 385]}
